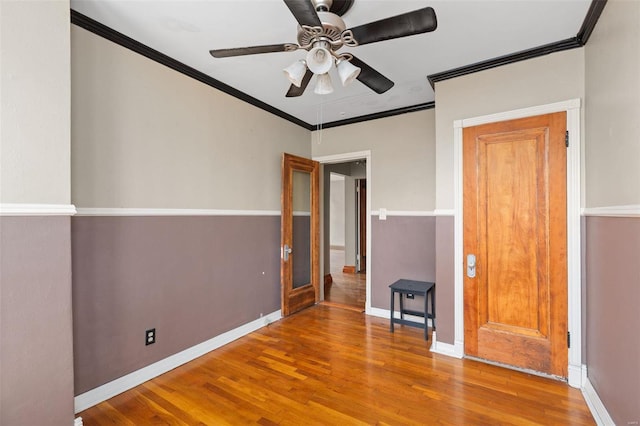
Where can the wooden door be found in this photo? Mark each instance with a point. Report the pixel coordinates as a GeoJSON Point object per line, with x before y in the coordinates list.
{"type": "Point", "coordinates": [514, 203]}
{"type": "Point", "coordinates": [299, 260]}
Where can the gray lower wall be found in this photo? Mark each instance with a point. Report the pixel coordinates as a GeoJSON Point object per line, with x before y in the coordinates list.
{"type": "Point", "coordinates": [190, 278]}
{"type": "Point", "coordinates": [402, 247]}
{"type": "Point", "coordinates": [36, 357]}
{"type": "Point", "coordinates": [613, 320]}
{"type": "Point", "coordinates": [445, 312]}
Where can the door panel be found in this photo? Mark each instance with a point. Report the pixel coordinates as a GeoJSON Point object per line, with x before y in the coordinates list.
{"type": "Point", "coordinates": [301, 231]}
{"type": "Point", "coordinates": [299, 260]}
{"type": "Point", "coordinates": [514, 203]}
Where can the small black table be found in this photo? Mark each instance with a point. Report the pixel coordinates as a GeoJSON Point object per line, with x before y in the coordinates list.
{"type": "Point", "coordinates": [420, 288]}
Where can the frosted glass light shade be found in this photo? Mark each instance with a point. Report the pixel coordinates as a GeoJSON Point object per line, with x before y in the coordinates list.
{"type": "Point", "coordinates": [347, 72]}
{"type": "Point", "coordinates": [323, 85]}
{"type": "Point", "coordinates": [295, 72]}
{"type": "Point", "coordinates": [319, 60]}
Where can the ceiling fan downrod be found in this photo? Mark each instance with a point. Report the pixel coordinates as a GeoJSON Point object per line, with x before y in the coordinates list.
{"type": "Point", "coordinates": [322, 5]}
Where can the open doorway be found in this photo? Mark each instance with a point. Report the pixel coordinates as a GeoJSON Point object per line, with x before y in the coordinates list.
{"type": "Point", "coordinates": [345, 235]}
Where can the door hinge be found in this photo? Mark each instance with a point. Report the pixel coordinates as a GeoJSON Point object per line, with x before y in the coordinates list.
{"type": "Point", "coordinates": [569, 339]}
{"type": "Point", "coordinates": [566, 138]}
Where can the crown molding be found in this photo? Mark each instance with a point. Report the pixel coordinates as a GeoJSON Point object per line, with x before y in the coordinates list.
{"type": "Point", "coordinates": [375, 116]}
{"type": "Point", "coordinates": [589, 23]}
{"type": "Point", "coordinates": [570, 43]}
{"type": "Point", "coordinates": [593, 14]}
{"type": "Point", "coordinates": [110, 34]}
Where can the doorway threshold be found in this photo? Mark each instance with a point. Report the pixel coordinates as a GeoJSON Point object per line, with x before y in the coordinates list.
{"type": "Point", "coordinates": [520, 369]}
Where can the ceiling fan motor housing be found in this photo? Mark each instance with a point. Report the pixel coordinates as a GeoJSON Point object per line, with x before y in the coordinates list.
{"type": "Point", "coordinates": [332, 28]}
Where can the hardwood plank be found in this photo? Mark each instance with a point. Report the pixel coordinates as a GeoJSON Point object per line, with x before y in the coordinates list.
{"type": "Point", "coordinates": [333, 366]}
{"type": "Point", "coordinates": [347, 290]}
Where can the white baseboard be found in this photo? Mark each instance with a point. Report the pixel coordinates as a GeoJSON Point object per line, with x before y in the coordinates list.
{"type": "Point", "coordinates": [447, 349]}
{"type": "Point", "coordinates": [131, 380]}
{"type": "Point", "coordinates": [384, 313]}
{"type": "Point", "coordinates": [597, 408]}
{"type": "Point", "coordinates": [455, 350]}
{"type": "Point", "coordinates": [576, 376]}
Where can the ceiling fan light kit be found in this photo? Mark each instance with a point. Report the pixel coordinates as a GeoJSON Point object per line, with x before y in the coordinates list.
{"type": "Point", "coordinates": [322, 33]}
{"type": "Point", "coordinates": [295, 72]}
{"type": "Point", "coordinates": [319, 60]}
{"type": "Point", "coordinates": [347, 71]}
{"type": "Point", "coordinates": [323, 85]}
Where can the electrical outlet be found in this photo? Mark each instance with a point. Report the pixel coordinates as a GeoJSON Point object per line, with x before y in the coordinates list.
{"type": "Point", "coordinates": [150, 337]}
{"type": "Point", "coordinates": [410, 296]}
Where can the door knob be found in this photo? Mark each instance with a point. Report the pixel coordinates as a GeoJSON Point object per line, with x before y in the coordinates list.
{"type": "Point", "coordinates": [471, 265]}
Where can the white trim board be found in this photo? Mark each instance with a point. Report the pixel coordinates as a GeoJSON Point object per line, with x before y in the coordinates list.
{"type": "Point", "coordinates": [172, 212]}
{"type": "Point", "coordinates": [8, 209]}
{"type": "Point", "coordinates": [455, 351]}
{"type": "Point", "coordinates": [572, 108]}
{"type": "Point", "coordinates": [436, 347]}
{"type": "Point", "coordinates": [131, 380]}
{"type": "Point", "coordinates": [342, 158]}
{"type": "Point", "coordinates": [597, 408]}
{"type": "Point", "coordinates": [437, 212]}
{"type": "Point", "coordinates": [384, 313]}
{"type": "Point", "coordinates": [632, 210]}
{"type": "Point", "coordinates": [405, 213]}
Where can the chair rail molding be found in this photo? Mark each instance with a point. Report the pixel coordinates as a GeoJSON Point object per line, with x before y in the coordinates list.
{"type": "Point", "coordinates": [9, 209]}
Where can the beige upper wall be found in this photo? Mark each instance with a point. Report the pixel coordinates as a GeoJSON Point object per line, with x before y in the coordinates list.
{"type": "Point", "coordinates": [145, 136]}
{"type": "Point", "coordinates": [402, 157]}
{"type": "Point", "coordinates": [544, 80]}
{"type": "Point", "coordinates": [34, 102]}
{"type": "Point", "coordinates": [612, 105]}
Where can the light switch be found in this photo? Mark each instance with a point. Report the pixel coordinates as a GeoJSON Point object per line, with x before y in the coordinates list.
{"type": "Point", "coordinates": [383, 214]}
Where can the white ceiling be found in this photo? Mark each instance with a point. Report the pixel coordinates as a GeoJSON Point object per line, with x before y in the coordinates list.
{"type": "Point", "coordinates": [468, 32]}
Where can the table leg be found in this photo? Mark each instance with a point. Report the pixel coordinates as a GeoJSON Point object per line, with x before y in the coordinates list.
{"type": "Point", "coordinates": [400, 295]}
{"type": "Point", "coordinates": [433, 306]}
{"type": "Point", "coordinates": [426, 317]}
{"type": "Point", "coordinates": [392, 306]}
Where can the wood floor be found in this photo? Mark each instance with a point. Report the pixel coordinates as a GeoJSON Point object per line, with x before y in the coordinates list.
{"type": "Point", "coordinates": [347, 290]}
{"type": "Point", "coordinates": [329, 366]}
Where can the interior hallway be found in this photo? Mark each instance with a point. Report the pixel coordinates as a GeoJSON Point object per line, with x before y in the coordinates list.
{"type": "Point", "coordinates": [347, 290]}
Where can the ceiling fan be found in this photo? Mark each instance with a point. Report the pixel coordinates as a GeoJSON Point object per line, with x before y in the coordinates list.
{"type": "Point", "coordinates": [322, 32]}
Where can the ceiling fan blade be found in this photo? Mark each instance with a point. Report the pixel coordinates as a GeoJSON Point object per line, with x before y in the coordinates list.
{"type": "Point", "coordinates": [416, 22]}
{"type": "Point", "coordinates": [295, 91]}
{"type": "Point", "coordinates": [372, 78]}
{"type": "Point", "coordinates": [252, 50]}
{"type": "Point", "coordinates": [304, 12]}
